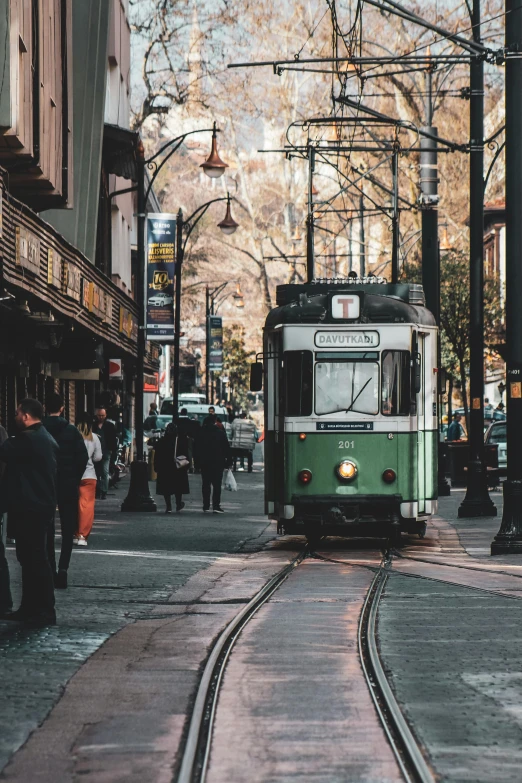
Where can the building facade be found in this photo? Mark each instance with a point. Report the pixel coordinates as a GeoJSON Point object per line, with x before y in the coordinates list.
{"type": "Point", "coordinates": [68, 303]}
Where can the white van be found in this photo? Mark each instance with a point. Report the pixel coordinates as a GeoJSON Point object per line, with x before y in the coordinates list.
{"type": "Point", "coordinates": [184, 400]}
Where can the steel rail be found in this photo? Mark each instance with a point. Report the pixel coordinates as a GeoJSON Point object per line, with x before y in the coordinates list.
{"type": "Point", "coordinates": [197, 746]}
{"type": "Point", "coordinates": [403, 744]}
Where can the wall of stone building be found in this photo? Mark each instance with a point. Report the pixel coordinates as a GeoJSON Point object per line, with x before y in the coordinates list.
{"type": "Point", "coordinates": [90, 41]}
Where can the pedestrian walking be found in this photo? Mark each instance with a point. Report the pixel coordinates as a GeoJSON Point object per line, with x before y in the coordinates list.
{"type": "Point", "coordinates": [243, 441]}
{"type": "Point", "coordinates": [106, 431]}
{"type": "Point", "coordinates": [87, 493]}
{"type": "Point", "coordinates": [30, 499]}
{"type": "Point", "coordinates": [172, 477]}
{"type": "Point", "coordinates": [189, 428]}
{"type": "Point", "coordinates": [6, 600]}
{"type": "Point", "coordinates": [72, 459]}
{"type": "Point", "coordinates": [153, 409]}
{"type": "Point", "coordinates": [213, 453]}
{"type": "Point", "coordinates": [455, 429]}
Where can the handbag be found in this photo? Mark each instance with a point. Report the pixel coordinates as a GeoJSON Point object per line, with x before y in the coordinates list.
{"type": "Point", "coordinates": [181, 461]}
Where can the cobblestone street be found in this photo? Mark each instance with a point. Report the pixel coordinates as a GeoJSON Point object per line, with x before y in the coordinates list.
{"type": "Point", "coordinates": [131, 569]}
{"type": "Point", "coordinates": [105, 695]}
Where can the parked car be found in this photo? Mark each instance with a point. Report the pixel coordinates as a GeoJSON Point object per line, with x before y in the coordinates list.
{"type": "Point", "coordinates": [496, 433]}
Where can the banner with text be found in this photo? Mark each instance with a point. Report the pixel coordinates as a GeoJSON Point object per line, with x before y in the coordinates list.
{"type": "Point", "coordinates": [215, 343]}
{"type": "Point", "coordinates": [161, 265]}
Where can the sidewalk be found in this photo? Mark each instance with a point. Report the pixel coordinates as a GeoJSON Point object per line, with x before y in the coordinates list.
{"type": "Point", "coordinates": [450, 634]}
{"type": "Point", "coordinates": [130, 571]}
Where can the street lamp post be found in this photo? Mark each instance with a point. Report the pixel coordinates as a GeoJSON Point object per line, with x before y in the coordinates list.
{"type": "Point", "coordinates": [477, 502]}
{"type": "Point", "coordinates": [228, 226]}
{"type": "Point", "coordinates": [509, 538]}
{"type": "Point", "coordinates": [139, 498]}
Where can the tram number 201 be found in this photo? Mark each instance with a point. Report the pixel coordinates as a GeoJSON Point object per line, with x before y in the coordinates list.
{"type": "Point", "coordinates": [346, 444]}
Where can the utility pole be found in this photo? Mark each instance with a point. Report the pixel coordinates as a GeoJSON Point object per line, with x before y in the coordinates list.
{"type": "Point", "coordinates": [310, 255]}
{"type": "Point", "coordinates": [362, 246]}
{"type": "Point", "coordinates": [139, 498]}
{"type": "Point", "coordinates": [180, 252]}
{"type": "Point", "coordinates": [209, 310]}
{"type": "Point", "coordinates": [477, 502]}
{"type": "Point", "coordinates": [395, 218]}
{"type": "Point", "coordinates": [429, 200]}
{"type": "Point", "coordinates": [509, 538]}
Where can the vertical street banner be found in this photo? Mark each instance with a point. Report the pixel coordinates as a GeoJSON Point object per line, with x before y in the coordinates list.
{"type": "Point", "coordinates": [161, 265]}
{"type": "Point", "coordinates": [215, 343]}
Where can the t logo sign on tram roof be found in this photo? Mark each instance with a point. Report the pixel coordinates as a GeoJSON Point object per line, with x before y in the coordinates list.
{"type": "Point", "coordinates": [346, 306]}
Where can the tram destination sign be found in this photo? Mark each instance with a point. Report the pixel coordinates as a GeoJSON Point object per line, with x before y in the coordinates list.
{"type": "Point", "coordinates": [347, 339]}
{"type": "Point", "coordinates": [344, 426]}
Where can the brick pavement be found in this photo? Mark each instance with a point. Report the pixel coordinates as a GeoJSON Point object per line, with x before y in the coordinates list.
{"type": "Point", "coordinates": [131, 570]}
{"type": "Point", "coordinates": [451, 643]}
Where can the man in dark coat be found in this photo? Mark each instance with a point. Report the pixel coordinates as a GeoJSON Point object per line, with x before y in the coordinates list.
{"type": "Point", "coordinates": [29, 496]}
{"type": "Point", "coordinates": [72, 461]}
{"type": "Point", "coordinates": [106, 431]}
{"type": "Point", "coordinates": [212, 450]}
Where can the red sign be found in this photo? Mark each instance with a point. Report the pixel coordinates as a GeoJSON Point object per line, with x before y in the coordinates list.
{"type": "Point", "coordinates": [151, 382]}
{"type": "Point", "coordinates": [115, 369]}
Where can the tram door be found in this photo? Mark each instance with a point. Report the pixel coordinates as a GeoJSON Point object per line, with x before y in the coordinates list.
{"type": "Point", "coordinates": [421, 424]}
{"type": "Point", "coordinates": [278, 420]}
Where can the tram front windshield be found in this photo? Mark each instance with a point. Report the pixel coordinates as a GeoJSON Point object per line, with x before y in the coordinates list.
{"type": "Point", "coordinates": [346, 386]}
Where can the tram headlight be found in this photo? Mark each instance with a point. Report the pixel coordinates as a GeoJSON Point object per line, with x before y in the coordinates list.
{"type": "Point", "coordinates": [389, 476]}
{"type": "Point", "coordinates": [305, 476]}
{"type": "Point", "coordinates": [346, 470]}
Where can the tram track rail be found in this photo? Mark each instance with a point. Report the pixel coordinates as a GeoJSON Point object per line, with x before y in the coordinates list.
{"type": "Point", "coordinates": [405, 747]}
{"type": "Point", "coordinates": [198, 742]}
{"type": "Point", "coordinates": [403, 743]}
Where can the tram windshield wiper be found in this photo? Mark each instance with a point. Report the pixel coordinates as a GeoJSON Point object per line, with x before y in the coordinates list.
{"type": "Point", "coordinates": [358, 395]}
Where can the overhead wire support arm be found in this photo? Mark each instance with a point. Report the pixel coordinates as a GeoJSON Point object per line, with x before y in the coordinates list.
{"type": "Point", "coordinates": [398, 10]}
{"type": "Point", "coordinates": [406, 124]}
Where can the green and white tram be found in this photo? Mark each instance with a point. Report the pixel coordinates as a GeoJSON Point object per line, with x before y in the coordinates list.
{"type": "Point", "coordinates": [351, 428]}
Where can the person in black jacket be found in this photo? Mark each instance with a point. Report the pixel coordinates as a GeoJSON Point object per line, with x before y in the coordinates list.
{"type": "Point", "coordinates": [212, 451]}
{"type": "Point", "coordinates": [29, 496]}
{"type": "Point", "coordinates": [171, 480]}
{"type": "Point", "coordinates": [106, 431]}
{"type": "Point", "coordinates": [72, 461]}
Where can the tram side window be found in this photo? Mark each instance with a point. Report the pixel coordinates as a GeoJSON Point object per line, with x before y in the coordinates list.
{"type": "Point", "coordinates": [396, 395]}
{"type": "Point", "coordinates": [298, 375]}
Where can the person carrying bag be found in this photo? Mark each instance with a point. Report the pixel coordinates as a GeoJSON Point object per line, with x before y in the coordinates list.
{"type": "Point", "coordinates": [172, 467]}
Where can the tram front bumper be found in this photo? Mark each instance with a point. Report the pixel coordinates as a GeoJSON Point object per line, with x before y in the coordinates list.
{"type": "Point", "coordinates": [336, 510]}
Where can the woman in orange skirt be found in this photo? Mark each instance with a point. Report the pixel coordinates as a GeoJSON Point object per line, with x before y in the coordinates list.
{"type": "Point", "coordinates": [87, 497]}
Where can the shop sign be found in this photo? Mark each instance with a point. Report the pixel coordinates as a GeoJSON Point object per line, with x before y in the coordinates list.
{"type": "Point", "coordinates": [54, 268]}
{"type": "Point", "coordinates": [151, 382]}
{"type": "Point", "coordinates": [215, 343]}
{"type": "Point", "coordinates": [72, 281]}
{"type": "Point", "coordinates": [159, 296]}
{"type": "Point", "coordinates": [128, 324]}
{"type": "Point", "coordinates": [87, 294]}
{"type": "Point", "coordinates": [115, 369]}
{"type": "Point", "coordinates": [27, 250]}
